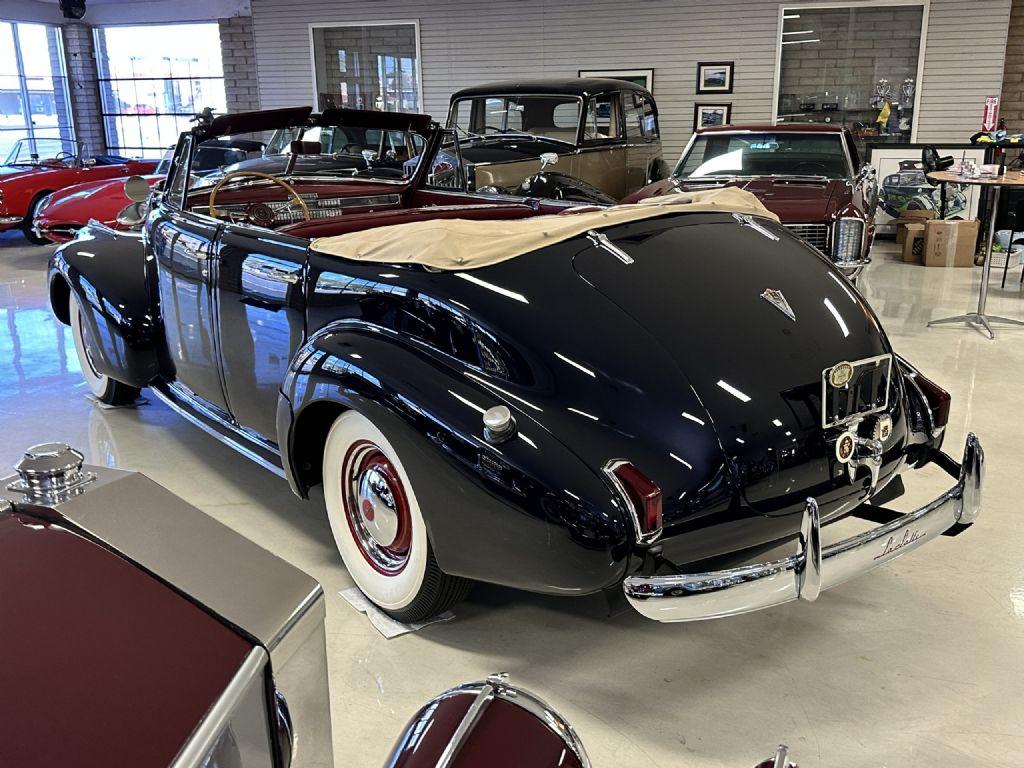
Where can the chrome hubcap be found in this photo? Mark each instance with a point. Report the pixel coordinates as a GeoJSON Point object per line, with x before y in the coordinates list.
{"type": "Point", "coordinates": [377, 507]}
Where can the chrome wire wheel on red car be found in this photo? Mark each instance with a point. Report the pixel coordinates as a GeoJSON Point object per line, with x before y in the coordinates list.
{"type": "Point", "coordinates": [378, 526]}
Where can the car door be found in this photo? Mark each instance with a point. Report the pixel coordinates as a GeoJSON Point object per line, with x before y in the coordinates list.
{"type": "Point", "coordinates": [182, 243]}
{"type": "Point", "coordinates": [261, 319]}
{"type": "Point", "coordinates": [643, 145]}
{"type": "Point", "coordinates": [601, 159]}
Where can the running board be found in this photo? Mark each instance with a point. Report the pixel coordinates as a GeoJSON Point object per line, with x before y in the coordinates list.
{"type": "Point", "coordinates": [192, 411]}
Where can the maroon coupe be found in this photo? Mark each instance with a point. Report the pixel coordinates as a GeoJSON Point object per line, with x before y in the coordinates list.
{"type": "Point", "coordinates": [809, 175]}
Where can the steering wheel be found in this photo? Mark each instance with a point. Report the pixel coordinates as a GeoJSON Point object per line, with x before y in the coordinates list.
{"type": "Point", "coordinates": [809, 164]}
{"type": "Point", "coordinates": [236, 174]}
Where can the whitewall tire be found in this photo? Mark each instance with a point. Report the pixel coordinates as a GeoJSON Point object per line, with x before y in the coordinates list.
{"type": "Point", "coordinates": [378, 526]}
{"type": "Point", "coordinates": [103, 388]}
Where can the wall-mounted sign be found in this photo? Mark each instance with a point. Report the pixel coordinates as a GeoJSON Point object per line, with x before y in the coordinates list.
{"type": "Point", "coordinates": [829, 106]}
{"type": "Point", "coordinates": [808, 106]}
{"type": "Point", "coordinates": [990, 116]}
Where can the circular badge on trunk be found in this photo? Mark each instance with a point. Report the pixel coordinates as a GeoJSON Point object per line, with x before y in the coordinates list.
{"type": "Point", "coordinates": [840, 375]}
{"type": "Point", "coordinates": [844, 447]}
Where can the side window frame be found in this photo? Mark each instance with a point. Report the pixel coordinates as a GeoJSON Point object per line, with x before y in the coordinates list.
{"type": "Point", "coordinates": [180, 166]}
{"type": "Point", "coordinates": [615, 100]}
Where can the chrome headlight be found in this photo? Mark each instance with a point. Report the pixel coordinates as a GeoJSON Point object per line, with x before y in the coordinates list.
{"type": "Point", "coordinates": [849, 240]}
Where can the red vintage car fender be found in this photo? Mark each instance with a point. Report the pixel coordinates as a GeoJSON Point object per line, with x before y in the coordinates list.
{"type": "Point", "coordinates": [20, 187]}
{"type": "Point", "coordinates": [72, 208]}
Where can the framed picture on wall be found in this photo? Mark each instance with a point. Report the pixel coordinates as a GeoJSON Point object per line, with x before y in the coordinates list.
{"type": "Point", "coordinates": [706, 115]}
{"type": "Point", "coordinates": [641, 77]}
{"type": "Point", "coordinates": [714, 76]}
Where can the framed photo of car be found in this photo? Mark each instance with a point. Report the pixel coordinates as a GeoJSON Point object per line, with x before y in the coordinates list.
{"type": "Point", "coordinates": [707, 115]}
{"type": "Point", "coordinates": [714, 76]}
{"type": "Point", "coordinates": [642, 77]}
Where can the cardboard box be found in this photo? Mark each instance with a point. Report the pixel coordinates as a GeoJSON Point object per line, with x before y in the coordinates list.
{"type": "Point", "coordinates": [913, 243]}
{"type": "Point", "coordinates": [950, 243]}
{"type": "Point", "coordinates": [910, 217]}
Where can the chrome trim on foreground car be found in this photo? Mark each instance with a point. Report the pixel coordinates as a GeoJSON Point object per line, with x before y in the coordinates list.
{"type": "Point", "coordinates": [692, 597]}
{"type": "Point", "coordinates": [498, 687]}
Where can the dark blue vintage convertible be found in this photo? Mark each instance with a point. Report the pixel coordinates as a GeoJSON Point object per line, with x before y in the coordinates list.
{"type": "Point", "coordinates": [670, 398]}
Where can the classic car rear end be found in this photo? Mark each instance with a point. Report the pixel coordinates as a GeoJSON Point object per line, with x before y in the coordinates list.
{"type": "Point", "coordinates": [142, 632]}
{"type": "Point", "coordinates": [808, 175]}
{"type": "Point", "coordinates": [560, 403]}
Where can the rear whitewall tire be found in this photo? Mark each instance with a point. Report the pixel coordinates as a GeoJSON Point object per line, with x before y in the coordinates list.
{"type": "Point", "coordinates": [413, 588]}
{"type": "Point", "coordinates": [103, 388]}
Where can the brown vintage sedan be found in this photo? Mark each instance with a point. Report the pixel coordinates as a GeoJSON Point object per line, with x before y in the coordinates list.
{"type": "Point", "coordinates": [600, 131]}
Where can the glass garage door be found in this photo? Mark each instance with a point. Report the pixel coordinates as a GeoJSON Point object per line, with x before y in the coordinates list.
{"type": "Point", "coordinates": [153, 80]}
{"type": "Point", "coordinates": [34, 100]}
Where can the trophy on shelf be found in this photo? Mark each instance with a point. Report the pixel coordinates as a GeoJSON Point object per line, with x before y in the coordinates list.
{"type": "Point", "coordinates": [883, 94]}
{"type": "Point", "coordinates": [908, 89]}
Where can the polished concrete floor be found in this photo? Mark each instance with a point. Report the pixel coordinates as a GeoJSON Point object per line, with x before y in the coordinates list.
{"type": "Point", "coordinates": [918, 664]}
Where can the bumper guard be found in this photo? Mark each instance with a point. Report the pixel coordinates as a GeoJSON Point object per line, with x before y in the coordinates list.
{"type": "Point", "coordinates": [715, 594]}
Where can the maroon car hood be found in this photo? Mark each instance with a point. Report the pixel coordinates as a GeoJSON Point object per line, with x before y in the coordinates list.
{"type": "Point", "coordinates": [795, 201]}
{"type": "Point", "coordinates": [100, 663]}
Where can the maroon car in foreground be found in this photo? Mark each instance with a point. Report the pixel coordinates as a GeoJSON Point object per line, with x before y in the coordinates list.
{"type": "Point", "coordinates": [149, 635]}
{"type": "Point", "coordinates": [809, 175]}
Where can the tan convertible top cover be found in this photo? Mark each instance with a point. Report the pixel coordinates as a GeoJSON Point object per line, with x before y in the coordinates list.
{"type": "Point", "coordinates": [461, 244]}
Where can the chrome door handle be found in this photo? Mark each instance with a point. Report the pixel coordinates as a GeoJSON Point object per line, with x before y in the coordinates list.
{"type": "Point", "coordinates": [258, 267]}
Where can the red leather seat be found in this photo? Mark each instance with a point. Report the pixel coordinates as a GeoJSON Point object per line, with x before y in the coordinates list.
{"type": "Point", "coordinates": [357, 222]}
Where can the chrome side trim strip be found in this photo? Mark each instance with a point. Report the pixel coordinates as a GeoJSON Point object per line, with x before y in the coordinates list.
{"type": "Point", "coordinates": [239, 446]}
{"type": "Point", "coordinates": [204, 738]}
{"type": "Point", "coordinates": [715, 594]}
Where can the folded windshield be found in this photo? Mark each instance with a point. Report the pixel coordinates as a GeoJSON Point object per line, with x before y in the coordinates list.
{"type": "Point", "coordinates": [716, 155]}
{"type": "Point", "coordinates": [331, 151]}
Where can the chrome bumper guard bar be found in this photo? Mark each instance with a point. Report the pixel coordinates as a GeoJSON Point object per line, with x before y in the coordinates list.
{"type": "Point", "coordinates": [712, 595]}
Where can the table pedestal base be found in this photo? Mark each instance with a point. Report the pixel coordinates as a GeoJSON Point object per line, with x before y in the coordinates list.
{"type": "Point", "coordinates": [976, 319]}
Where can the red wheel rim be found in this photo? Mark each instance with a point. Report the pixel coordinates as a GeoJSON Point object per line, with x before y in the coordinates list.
{"type": "Point", "coordinates": [376, 508]}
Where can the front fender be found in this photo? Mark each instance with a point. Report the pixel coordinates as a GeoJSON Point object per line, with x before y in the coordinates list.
{"type": "Point", "coordinates": [108, 274]}
{"type": "Point", "coordinates": [527, 513]}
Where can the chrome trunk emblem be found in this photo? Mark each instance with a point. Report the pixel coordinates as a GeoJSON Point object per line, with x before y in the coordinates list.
{"type": "Point", "coordinates": [777, 300]}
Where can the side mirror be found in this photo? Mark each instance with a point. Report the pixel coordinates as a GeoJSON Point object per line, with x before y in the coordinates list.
{"type": "Point", "coordinates": [136, 189]}
{"type": "Point", "coordinates": [132, 215]}
{"type": "Point", "coordinates": [548, 158]}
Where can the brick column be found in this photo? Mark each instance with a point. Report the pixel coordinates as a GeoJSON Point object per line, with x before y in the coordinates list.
{"type": "Point", "coordinates": [1012, 106]}
{"type": "Point", "coordinates": [239, 58]}
{"type": "Point", "coordinates": [83, 87]}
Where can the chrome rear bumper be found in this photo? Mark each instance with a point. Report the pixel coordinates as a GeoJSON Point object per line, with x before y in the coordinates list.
{"type": "Point", "coordinates": [712, 595]}
{"type": "Point", "coordinates": [8, 220]}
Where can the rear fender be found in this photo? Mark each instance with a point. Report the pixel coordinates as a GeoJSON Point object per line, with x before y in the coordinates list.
{"type": "Point", "coordinates": [526, 513]}
{"type": "Point", "coordinates": [108, 274]}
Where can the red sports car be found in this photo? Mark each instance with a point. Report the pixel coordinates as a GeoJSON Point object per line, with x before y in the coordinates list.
{"type": "Point", "coordinates": [36, 168]}
{"type": "Point", "coordinates": [808, 175]}
{"type": "Point", "coordinates": [59, 216]}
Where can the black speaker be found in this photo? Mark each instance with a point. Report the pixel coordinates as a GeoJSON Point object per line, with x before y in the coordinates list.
{"type": "Point", "coordinates": [932, 162]}
{"type": "Point", "coordinates": [72, 9]}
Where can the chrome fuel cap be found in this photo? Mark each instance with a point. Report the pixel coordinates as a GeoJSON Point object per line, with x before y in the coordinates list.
{"type": "Point", "coordinates": [49, 470]}
{"type": "Point", "coordinates": [499, 424]}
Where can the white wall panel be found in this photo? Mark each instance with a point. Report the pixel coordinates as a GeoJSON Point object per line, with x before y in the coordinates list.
{"type": "Point", "coordinates": [465, 42]}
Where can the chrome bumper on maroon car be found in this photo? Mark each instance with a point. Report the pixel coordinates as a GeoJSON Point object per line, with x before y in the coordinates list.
{"type": "Point", "coordinates": [712, 595]}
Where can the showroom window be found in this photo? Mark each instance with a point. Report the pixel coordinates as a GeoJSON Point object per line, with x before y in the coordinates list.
{"type": "Point", "coordinates": [367, 66]}
{"type": "Point", "coordinates": [853, 66]}
{"type": "Point", "coordinates": [153, 80]}
{"type": "Point", "coordinates": [34, 100]}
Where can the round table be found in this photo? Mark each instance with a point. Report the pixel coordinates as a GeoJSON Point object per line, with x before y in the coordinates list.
{"type": "Point", "coordinates": [1009, 179]}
